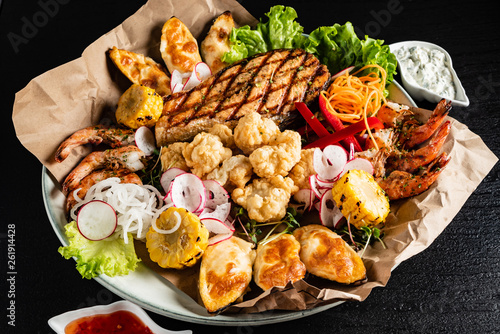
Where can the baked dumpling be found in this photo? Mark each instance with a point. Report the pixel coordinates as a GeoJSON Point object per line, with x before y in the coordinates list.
{"type": "Point", "coordinates": [179, 49]}
{"type": "Point", "coordinates": [141, 70]}
{"type": "Point", "coordinates": [217, 43]}
{"type": "Point", "coordinates": [225, 272]}
{"type": "Point", "coordinates": [327, 255]}
{"type": "Point", "coordinates": [278, 262]}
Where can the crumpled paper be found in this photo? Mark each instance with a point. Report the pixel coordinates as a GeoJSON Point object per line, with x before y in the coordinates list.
{"type": "Point", "coordinates": [84, 91]}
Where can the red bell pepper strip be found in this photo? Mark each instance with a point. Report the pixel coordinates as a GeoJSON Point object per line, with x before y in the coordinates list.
{"type": "Point", "coordinates": [337, 125]}
{"type": "Point", "coordinates": [315, 124]}
{"type": "Point", "coordinates": [373, 123]}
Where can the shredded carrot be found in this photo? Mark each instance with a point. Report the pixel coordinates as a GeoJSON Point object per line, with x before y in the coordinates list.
{"type": "Point", "coordinates": [352, 98]}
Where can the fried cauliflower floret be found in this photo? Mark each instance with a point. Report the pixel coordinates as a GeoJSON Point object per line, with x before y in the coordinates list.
{"type": "Point", "coordinates": [171, 156]}
{"type": "Point", "coordinates": [265, 199]}
{"type": "Point", "coordinates": [254, 131]}
{"type": "Point", "coordinates": [279, 156]}
{"type": "Point", "coordinates": [235, 171]}
{"type": "Point", "coordinates": [205, 153]}
{"type": "Point", "coordinates": [224, 133]}
{"type": "Point", "coordinates": [301, 172]}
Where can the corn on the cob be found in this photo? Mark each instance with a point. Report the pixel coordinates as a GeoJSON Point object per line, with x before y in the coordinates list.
{"type": "Point", "coordinates": [181, 248]}
{"type": "Point", "coordinates": [360, 199]}
{"type": "Point", "coordinates": [138, 106]}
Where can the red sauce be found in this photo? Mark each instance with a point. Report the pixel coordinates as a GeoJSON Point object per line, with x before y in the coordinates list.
{"type": "Point", "coordinates": [123, 322]}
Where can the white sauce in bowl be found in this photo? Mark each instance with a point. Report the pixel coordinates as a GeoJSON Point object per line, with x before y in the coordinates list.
{"type": "Point", "coordinates": [428, 69]}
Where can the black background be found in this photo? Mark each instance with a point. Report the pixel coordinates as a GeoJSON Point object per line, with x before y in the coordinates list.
{"type": "Point", "coordinates": [451, 287]}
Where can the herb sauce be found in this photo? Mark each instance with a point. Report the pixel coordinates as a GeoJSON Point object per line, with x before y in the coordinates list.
{"type": "Point", "coordinates": [428, 69]}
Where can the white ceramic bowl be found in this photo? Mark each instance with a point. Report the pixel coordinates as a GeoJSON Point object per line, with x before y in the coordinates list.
{"type": "Point", "coordinates": [421, 93]}
{"type": "Point", "coordinates": [58, 323]}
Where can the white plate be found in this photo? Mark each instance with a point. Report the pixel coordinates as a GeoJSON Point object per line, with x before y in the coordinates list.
{"type": "Point", "coordinates": [154, 293]}
{"type": "Point", "coordinates": [421, 93]}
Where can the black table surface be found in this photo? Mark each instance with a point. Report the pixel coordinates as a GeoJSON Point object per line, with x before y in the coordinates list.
{"type": "Point", "coordinates": [451, 287]}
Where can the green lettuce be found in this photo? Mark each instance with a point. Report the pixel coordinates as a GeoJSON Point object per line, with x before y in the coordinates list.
{"type": "Point", "coordinates": [111, 256]}
{"type": "Point", "coordinates": [338, 47]}
{"type": "Point", "coordinates": [280, 31]}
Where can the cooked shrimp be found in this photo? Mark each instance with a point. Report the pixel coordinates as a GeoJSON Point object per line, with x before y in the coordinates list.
{"type": "Point", "coordinates": [83, 186]}
{"type": "Point", "coordinates": [413, 134]}
{"type": "Point", "coordinates": [412, 161]}
{"type": "Point", "coordinates": [400, 184]}
{"type": "Point", "coordinates": [114, 137]}
{"type": "Point", "coordinates": [128, 157]}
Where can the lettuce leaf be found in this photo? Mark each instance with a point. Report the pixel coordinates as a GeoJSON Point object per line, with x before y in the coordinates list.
{"type": "Point", "coordinates": [281, 31]}
{"type": "Point", "coordinates": [110, 256]}
{"type": "Point", "coordinates": [338, 47]}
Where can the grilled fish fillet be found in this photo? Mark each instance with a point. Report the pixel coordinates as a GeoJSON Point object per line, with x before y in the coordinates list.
{"type": "Point", "coordinates": [268, 83]}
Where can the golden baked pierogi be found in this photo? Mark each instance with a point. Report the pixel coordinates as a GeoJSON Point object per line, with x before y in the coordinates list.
{"type": "Point", "coordinates": [327, 255]}
{"type": "Point", "coordinates": [278, 262]}
{"type": "Point", "coordinates": [225, 272]}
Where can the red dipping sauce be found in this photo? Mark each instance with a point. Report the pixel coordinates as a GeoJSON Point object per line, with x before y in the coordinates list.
{"type": "Point", "coordinates": [123, 322]}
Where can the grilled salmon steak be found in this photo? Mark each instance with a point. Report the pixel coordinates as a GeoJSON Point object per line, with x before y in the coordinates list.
{"type": "Point", "coordinates": [268, 83]}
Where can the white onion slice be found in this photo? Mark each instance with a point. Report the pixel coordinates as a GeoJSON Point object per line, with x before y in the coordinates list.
{"type": "Point", "coordinates": [173, 229]}
{"type": "Point", "coordinates": [145, 140]}
{"type": "Point", "coordinates": [96, 220]}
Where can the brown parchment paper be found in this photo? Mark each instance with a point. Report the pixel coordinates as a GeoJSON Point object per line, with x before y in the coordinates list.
{"type": "Point", "coordinates": [84, 91]}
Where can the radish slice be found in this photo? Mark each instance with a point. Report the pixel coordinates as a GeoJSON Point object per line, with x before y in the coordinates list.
{"type": "Point", "coordinates": [306, 197]}
{"type": "Point", "coordinates": [188, 192]}
{"type": "Point", "coordinates": [216, 226]}
{"type": "Point", "coordinates": [145, 140]}
{"type": "Point", "coordinates": [330, 162]}
{"type": "Point", "coordinates": [344, 71]}
{"type": "Point", "coordinates": [324, 183]}
{"type": "Point", "coordinates": [202, 71]}
{"type": "Point", "coordinates": [219, 238]}
{"type": "Point", "coordinates": [329, 213]}
{"type": "Point", "coordinates": [360, 164]}
{"type": "Point", "coordinates": [97, 220]}
{"type": "Point", "coordinates": [168, 176]}
{"type": "Point", "coordinates": [221, 212]}
{"type": "Point", "coordinates": [215, 193]}
{"type": "Point", "coordinates": [316, 188]}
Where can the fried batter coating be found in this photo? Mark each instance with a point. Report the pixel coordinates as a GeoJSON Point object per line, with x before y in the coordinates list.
{"type": "Point", "coordinates": [254, 131]}
{"type": "Point", "coordinates": [171, 156]}
{"type": "Point", "coordinates": [205, 153]}
{"type": "Point", "coordinates": [303, 169]}
{"type": "Point", "coordinates": [235, 171]}
{"type": "Point", "coordinates": [265, 199]}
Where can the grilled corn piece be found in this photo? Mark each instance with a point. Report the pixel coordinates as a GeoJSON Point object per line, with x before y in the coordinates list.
{"type": "Point", "coordinates": [360, 199]}
{"type": "Point", "coordinates": [182, 247]}
{"type": "Point", "coordinates": [138, 106]}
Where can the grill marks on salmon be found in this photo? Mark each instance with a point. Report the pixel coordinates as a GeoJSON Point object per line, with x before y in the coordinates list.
{"type": "Point", "coordinates": [268, 83]}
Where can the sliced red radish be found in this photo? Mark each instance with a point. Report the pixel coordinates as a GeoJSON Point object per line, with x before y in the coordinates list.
{"type": "Point", "coordinates": [221, 212]}
{"type": "Point", "coordinates": [216, 226]}
{"type": "Point", "coordinates": [215, 193]}
{"type": "Point", "coordinates": [176, 80]}
{"type": "Point", "coordinates": [188, 192]}
{"type": "Point", "coordinates": [324, 183]}
{"type": "Point", "coordinates": [316, 188]}
{"type": "Point", "coordinates": [329, 213]}
{"type": "Point", "coordinates": [330, 162]}
{"type": "Point", "coordinates": [201, 72]}
{"type": "Point", "coordinates": [306, 197]}
{"type": "Point", "coordinates": [360, 164]}
{"type": "Point", "coordinates": [145, 140]}
{"type": "Point", "coordinates": [97, 220]}
{"type": "Point", "coordinates": [168, 176]}
{"type": "Point", "coordinates": [219, 238]}
{"type": "Point", "coordinates": [344, 71]}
